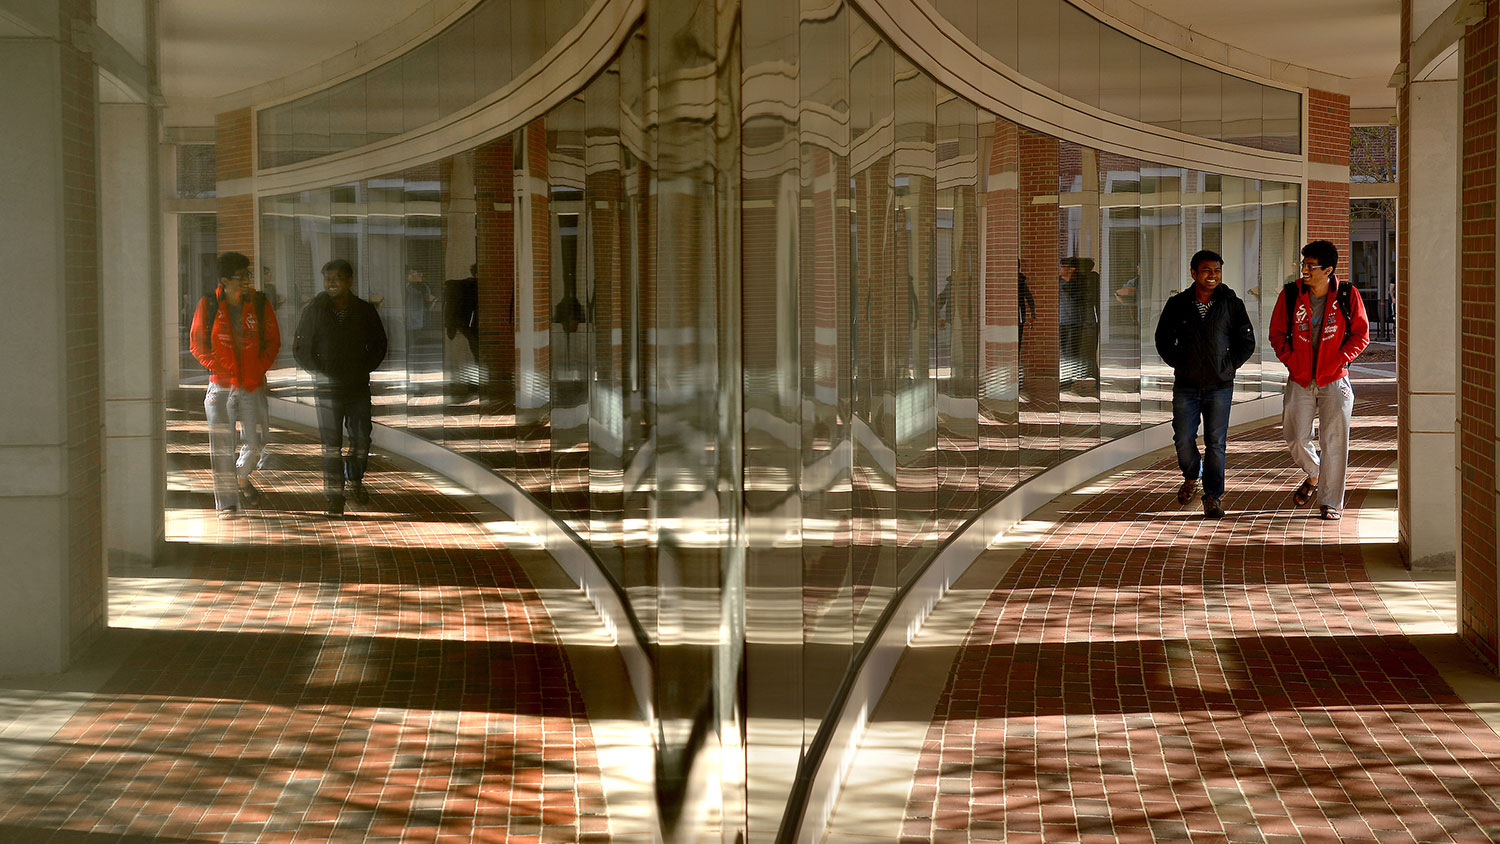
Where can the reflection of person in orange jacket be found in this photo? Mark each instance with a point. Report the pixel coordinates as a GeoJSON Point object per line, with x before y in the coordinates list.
{"type": "Point", "coordinates": [236, 338]}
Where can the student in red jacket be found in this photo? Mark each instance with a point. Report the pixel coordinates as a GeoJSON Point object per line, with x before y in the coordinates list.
{"type": "Point", "coordinates": [1318, 328]}
{"type": "Point", "coordinates": [236, 338]}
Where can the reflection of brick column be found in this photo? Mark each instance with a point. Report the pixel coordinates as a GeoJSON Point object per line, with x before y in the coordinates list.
{"type": "Point", "coordinates": [540, 318]}
{"type": "Point", "coordinates": [1328, 151]}
{"type": "Point", "coordinates": [1476, 401]}
{"type": "Point", "coordinates": [495, 229]}
{"type": "Point", "coordinates": [1002, 261]}
{"type": "Point", "coordinates": [236, 206]}
{"type": "Point", "coordinates": [1039, 225]}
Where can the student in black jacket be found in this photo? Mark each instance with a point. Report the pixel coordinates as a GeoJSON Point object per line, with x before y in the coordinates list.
{"type": "Point", "coordinates": [1205, 335]}
{"type": "Point", "coordinates": [340, 340]}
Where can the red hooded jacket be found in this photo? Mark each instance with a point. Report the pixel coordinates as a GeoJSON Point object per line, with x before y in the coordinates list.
{"type": "Point", "coordinates": [1335, 350]}
{"type": "Point", "coordinates": [246, 366]}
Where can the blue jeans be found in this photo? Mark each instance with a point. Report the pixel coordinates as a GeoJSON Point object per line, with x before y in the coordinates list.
{"type": "Point", "coordinates": [338, 411]}
{"type": "Point", "coordinates": [1189, 404]}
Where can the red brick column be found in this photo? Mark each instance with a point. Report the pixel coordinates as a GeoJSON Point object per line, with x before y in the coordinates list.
{"type": "Point", "coordinates": [1476, 401]}
{"type": "Point", "coordinates": [1328, 143]}
{"type": "Point", "coordinates": [236, 205]}
{"type": "Point", "coordinates": [495, 231]}
{"type": "Point", "coordinates": [1039, 256]}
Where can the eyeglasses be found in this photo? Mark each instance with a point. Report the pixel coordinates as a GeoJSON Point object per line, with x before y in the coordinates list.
{"type": "Point", "coordinates": [243, 277]}
{"type": "Point", "coordinates": [1310, 265]}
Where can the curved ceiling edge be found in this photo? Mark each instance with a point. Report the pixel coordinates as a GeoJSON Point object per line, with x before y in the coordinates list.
{"type": "Point", "coordinates": [394, 42]}
{"type": "Point", "coordinates": [563, 71]}
{"type": "Point", "coordinates": [933, 44]}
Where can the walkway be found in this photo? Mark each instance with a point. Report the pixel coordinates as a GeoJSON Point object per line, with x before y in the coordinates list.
{"type": "Point", "coordinates": [1130, 672]}
{"type": "Point", "coordinates": [393, 675]}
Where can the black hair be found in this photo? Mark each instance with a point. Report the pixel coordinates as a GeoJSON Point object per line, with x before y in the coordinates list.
{"type": "Point", "coordinates": [1205, 255]}
{"type": "Point", "coordinates": [1324, 252]}
{"type": "Point", "coordinates": [339, 265]}
{"type": "Point", "coordinates": [231, 263]}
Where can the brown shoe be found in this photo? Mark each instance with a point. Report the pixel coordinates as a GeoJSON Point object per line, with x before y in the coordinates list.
{"type": "Point", "coordinates": [1211, 508]}
{"type": "Point", "coordinates": [1185, 492]}
{"type": "Point", "coordinates": [1305, 493]}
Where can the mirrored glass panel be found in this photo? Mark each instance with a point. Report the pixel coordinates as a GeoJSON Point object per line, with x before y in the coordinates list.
{"type": "Point", "coordinates": [932, 306]}
{"type": "Point", "coordinates": [1121, 317]}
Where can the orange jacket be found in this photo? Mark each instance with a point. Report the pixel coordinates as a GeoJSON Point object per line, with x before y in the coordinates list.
{"type": "Point", "coordinates": [1337, 348]}
{"type": "Point", "coordinates": [244, 367]}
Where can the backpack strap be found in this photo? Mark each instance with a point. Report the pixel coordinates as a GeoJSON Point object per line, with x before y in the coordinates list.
{"type": "Point", "coordinates": [1346, 306]}
{"type": "Point", "coordinates": [1289, 303]}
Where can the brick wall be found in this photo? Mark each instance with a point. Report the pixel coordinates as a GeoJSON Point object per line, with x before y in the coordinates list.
{"type": "Point", "coordinates": [1476, 401]}
{"type": "Point", "coordinates": [235, 208]}
{"type": "Point", "coordinates": [1039, 261]}
{"type": "Point", "coordinates": [1328, 143]}
{"type": "Point", "coordinates": [495, 231]}
{"type": "Point", "coordinates": [81, 271]}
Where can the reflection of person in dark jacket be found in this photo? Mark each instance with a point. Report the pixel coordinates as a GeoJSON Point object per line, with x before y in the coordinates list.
{"type": "Point", "coordinates": [1205, 335]}
{"type": "Point", "coordinates": [340, 340]}
{"type": "Point", "coordinates": [1078, 318]}
{"type": "Point", "coordinates": [461, 316]}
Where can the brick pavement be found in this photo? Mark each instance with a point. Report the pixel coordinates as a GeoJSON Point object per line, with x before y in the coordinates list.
{"type": "Point", "coordinates": [390, 676]}
{"type": "Point", "coordinates": [1145, 675]}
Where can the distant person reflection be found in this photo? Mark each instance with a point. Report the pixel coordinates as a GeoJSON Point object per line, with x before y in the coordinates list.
{"type": "Point", "coordinates": [1078, 320]}
{"type": "Point", "coordinates": [461, 317]}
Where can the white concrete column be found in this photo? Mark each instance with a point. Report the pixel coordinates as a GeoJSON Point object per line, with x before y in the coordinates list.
{"type": "Point", "coordinates": [1431, 231]}
{"type": "Point", "coordinates": [135, 480]}
{"type": "Point", "coordinates": [51, 452]}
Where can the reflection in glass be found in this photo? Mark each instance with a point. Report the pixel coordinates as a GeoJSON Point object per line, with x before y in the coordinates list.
{"type": "Point", "coordinates": [1079, 298]}
{"type": "Point", "coordinates": [1161, 88]}
{"type": "Point", "coordinates": [937, 305]}
{"type": "Point", "coordinates": [1079, 36]}
{"type": "Point", "coordinates": [1163, 273]}
{"type": "Point", "coordinates": [1121, 316]}
{"type": "Point", "coordinates": [1040, 277]}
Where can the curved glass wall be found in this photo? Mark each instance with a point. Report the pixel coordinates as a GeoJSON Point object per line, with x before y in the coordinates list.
{"type": "Point", "coordinates": [1058, 45]}
{"type": "Point", "coordinates": [469, 60]}
{"type": "Point", "coordinates": [935, 305]}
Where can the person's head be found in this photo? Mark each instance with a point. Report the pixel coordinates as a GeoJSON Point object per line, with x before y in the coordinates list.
{"type": "Point", "coordinates": [473, 270]}
{"type": "Point", "coordinates": [338, 278]}
{"type": "Point", "coordinates": [1067, 268]}
{"type": "Point", "coordinates": [413, 274]}
{"type": "Point", "coordinates": [1319, 259]}
{"type": "Point", "coordinates": [235, 276]}
{"type": "Point", "coordinates": [1207, 270]}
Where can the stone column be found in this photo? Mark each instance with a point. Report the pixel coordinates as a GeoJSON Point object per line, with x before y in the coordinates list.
{"type": "Point", "coordinates": [51, 443]}
{"type": "Point", "coordinates": [1428, 499]}
{"type": "Point", "coordinates": [134, 399]}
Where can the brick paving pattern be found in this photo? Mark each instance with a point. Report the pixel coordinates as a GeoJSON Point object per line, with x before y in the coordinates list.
{"type": "Point", "coordinates": [1145, 675]}
{"type": "Point", "coordinates": [389, 676]}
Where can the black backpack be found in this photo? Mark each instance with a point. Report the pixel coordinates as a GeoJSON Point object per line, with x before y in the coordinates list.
{"type": "Point", "coordinates": [213, 313]}
{"type": "Point", "coordinates": [1342, 297]}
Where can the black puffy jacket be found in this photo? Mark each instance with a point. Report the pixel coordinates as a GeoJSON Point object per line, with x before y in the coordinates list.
{"type": "Point", "coordinates": [1204, 352]}
{"type": "Point", "coordinates": [341, 354]}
